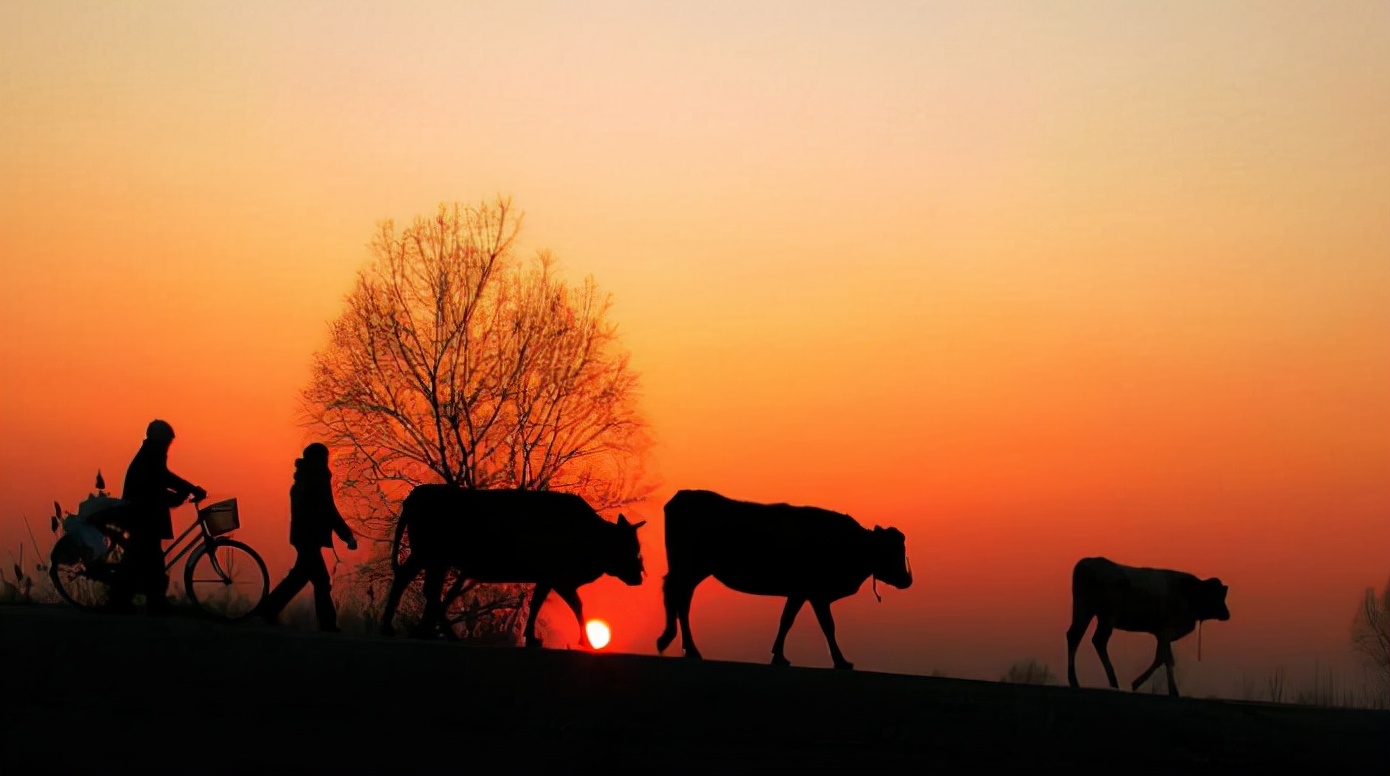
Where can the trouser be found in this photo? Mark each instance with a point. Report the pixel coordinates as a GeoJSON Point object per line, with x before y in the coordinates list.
{"type": "Point", "coordinates": [142, 571]}
{"type": "Point", "coordinates": [308, 568]}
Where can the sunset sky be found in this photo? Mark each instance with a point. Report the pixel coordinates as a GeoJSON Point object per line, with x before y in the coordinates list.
{"type": "Point", "coordinates": [1030, 281]}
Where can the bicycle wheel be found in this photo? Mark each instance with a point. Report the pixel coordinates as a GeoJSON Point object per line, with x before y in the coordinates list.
{"type": "Point", "coordinates": [226, 580]}
{"type": "Point", "coordinates": [69, 567]}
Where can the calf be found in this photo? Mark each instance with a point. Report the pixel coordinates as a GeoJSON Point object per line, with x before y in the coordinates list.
{"type": "Point", "coordinates": [1167, 604]}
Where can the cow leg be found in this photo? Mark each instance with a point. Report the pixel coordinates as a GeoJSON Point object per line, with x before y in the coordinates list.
{"type": "Point", "coordinates": [1168, 662]}
{"type": "Point", "coordinates": [537, 598]}
{"type": "Point", "coordinates": [789, 613]}
{"type": "Point", "coordinates": [669, 634]}
{"type": "Point", "coordinates": [404, 576]}
{"type": "Point", "coordinates": [676, 593]}
{"type": "Point", "coordinates": [1080, 621]}
{"type": "Point", "coordinates": [433, 589]}
{"type": "Point", "coordinates": [1162, 656]}
{"type": "Point", "coordinates": [827, 625]}
{"type": "Point", "coordinates": [687, 640]}
{"type": "Point", "coordinates": [571, 596]}
{"type": "Point", "coordinates": [1172, 681]}
{"type": "Point", "coordinates": [1144, 677]}
{"type": "Point", "coordinates": [1101, 638]}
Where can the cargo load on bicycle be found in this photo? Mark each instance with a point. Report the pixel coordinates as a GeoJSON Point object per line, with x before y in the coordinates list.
{"type": "Point", "coordinates": [96, 515]}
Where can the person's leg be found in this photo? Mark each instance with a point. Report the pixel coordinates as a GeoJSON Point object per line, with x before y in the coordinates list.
{"type": "Point", "coordinates": [285, 591]}
{"type": "Point", "coordinates": [137, 574]}
{"type": "Point", "coordinates": [317, 572]}
{"type": "Point", "coordinates": [127, 577]}
{"type": "Point", "coordinates": [157, 584]}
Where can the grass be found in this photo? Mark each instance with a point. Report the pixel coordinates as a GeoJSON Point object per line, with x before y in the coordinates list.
{"type": "Point", "coordinates": [1329, 689]}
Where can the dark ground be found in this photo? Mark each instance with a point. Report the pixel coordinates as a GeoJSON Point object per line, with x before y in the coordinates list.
{"type": "Point", "coordinates": [81, 692]}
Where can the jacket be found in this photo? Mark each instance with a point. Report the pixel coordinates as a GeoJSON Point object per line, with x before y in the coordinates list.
{"type": "Point", "coordinates": [314, 516]}
{"type": "Point", "coordinates": [152, 490]}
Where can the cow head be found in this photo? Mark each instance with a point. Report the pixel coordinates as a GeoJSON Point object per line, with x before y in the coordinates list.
{"type": "Point", "coordinates": [889, 557]}
{"type": "Point", "coordinates": [625, 554]}
{"type": "Point", "coordinates": [1207, 598]}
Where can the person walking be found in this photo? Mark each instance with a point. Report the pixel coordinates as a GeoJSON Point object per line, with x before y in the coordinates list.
{"type": "Point", "coordinates": [314, 518]}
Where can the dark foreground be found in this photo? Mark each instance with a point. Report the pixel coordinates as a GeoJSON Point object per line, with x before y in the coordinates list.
{"type": "Point", "coordinates": [104, 694]}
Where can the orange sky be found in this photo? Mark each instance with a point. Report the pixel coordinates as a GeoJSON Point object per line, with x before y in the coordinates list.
{"type": "Point", "coordinates": [1028, 281]}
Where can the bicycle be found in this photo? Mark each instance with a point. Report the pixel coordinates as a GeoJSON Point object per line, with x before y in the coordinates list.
{"type": "Point", "coordinates": [224, 578]}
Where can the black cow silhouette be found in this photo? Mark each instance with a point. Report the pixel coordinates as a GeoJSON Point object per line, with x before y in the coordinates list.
{"type": "Point", "coordinates": [554, 540]}
{"type": "Point", "coordinates": [1167, 604]}
{"type": "Point", "coordinates": [800, 552]}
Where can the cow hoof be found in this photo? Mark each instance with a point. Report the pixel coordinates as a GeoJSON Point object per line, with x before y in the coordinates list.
{"type": "Point", "coordinates": [663, 642]}
{"type": "Point", "coordinates": [387, 630]}
{"type": "Point", "coordinates": [845, 665]}
{"type": "Point", "coordinates": [691, 654]}
{"type": "Point", "coordinates": [778, 660]}
{"type": "Point", "coordinates": [532, 642]}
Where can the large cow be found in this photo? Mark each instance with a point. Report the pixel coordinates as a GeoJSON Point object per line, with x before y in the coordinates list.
{"type": "Point", "coordinates": [554, 540]}
{"type": "Point", "coordinates": [1167, 604]}
{"type": "Point", "coordinates": [802, 553]}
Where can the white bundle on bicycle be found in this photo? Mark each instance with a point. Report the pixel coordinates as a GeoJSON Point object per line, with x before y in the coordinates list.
{"type": "Point", "coordinates": [81, 526]}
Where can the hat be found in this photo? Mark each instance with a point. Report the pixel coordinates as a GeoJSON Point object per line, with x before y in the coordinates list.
{"type": "Point", "coordinates": [160, 431]}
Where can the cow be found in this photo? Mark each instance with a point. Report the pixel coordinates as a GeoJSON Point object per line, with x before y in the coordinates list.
{"type": "Point", "coordinates": [551, 539]}
{"type": "Point", "coordinates": [801, 552]}
{"type": "Point", "coordinates": [1164, 603]}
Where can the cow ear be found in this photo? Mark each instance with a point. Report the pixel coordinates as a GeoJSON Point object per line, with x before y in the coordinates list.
{"type": "Point", "coordinates": [622, 519]}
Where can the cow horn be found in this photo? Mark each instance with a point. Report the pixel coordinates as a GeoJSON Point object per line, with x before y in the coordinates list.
{"type": "Point", "coordinates": [635, 526]}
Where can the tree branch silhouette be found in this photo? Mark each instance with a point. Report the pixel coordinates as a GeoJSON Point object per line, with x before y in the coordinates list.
{"type": "Point", "coordinates": [1370, 636]}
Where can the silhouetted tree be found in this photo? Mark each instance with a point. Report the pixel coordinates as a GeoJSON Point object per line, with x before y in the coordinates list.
{"type": "Point", "coordinates": [455, 362]}
{"type": "Point", "coordinates": [1370, 635]}
{"type": "Point", "coordinates": [1029, 671]}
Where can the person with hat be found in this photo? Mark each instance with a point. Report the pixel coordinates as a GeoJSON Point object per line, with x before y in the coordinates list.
{"type": "Point", "coordinates": [150, 491]}
{"type": "Point", "coordinates": [314, 518]}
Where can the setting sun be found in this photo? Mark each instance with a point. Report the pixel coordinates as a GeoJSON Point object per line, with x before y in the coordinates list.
{"type": "Point", "coordinates": [598, 633]}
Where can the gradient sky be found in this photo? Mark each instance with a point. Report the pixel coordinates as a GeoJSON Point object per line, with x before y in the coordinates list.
{"type": "Point", "coordinates": [1030, 281]}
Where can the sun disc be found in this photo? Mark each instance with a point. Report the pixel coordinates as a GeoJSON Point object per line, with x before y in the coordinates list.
{"type": "Point", "coordinates": [597, 631]}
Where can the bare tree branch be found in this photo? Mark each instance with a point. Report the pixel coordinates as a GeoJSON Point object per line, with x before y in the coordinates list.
{"type": "Point", "coordinates": [1370, 635]}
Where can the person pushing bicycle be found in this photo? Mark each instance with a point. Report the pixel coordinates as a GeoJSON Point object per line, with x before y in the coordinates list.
{"type": "Point", "coordinates": [150, 491]}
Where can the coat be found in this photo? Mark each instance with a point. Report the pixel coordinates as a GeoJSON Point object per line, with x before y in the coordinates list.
{"type": "Point", "coordinates": [151, 490]}
{"type": "Point", "coordinates": [314, 516]}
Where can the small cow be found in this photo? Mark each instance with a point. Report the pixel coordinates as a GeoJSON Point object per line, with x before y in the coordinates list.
{"type": "Point", "coordinates": [554, 540]}
{"type": "Point", "coordinates": [802, 553]}
{"type": "Point", "coordinates": [1167, 604]}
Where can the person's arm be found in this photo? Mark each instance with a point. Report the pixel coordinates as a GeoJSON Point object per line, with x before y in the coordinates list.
{"type": "Point", "coordinates": [183, 487]}
{"type": "Point", "coordinates": [335, 519]}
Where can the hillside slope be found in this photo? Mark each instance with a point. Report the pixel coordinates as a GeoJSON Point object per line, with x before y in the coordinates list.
{"type": "Point", "coordinates": [188, 696]}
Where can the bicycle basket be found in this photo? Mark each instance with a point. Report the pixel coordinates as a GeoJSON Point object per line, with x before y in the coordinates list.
{"type": "Point", "coordinates": [221, 517]}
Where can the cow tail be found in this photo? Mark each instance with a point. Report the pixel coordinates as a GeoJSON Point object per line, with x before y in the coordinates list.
{"type": "Point", "coordinates": [396, 543]}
